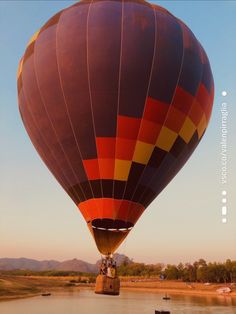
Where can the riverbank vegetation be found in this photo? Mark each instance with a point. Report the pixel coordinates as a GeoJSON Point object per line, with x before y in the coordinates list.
{"type": "Point", "coordinates": [46, 273]}
{"type": "Point", "coordinates": [199, 271]}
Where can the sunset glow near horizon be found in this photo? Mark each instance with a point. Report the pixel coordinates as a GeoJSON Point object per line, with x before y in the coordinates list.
{"type": "Point", "coordinates": [185, 222]}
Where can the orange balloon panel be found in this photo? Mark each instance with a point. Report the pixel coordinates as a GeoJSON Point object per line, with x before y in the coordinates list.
{"type": "Point", "coordinates": [115, 96]}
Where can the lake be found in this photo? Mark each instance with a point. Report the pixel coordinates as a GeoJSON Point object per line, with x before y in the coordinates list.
{"type": "Point", "coordinates": [129, 302]}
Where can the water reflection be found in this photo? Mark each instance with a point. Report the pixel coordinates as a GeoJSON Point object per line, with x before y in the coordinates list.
{"type": "Point", "coordinates": [86, 302]}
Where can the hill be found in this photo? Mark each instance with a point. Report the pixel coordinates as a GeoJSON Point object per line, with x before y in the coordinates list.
{"type": "Point", "coordinates": [68, 265]}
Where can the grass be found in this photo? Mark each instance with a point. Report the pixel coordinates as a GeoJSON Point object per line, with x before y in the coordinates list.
{"type": "Point", "coordinates": [18, 286]}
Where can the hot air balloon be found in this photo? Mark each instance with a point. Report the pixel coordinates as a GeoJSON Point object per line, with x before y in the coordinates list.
{"type": "Point", "coordinates": [115, 96]}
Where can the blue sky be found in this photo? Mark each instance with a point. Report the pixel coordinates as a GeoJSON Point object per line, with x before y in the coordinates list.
{"type": "Point", "coordinates": [37, 218]}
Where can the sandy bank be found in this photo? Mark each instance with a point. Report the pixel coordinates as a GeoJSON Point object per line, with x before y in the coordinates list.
{"type": "Point", "coordinates": [175, 287]}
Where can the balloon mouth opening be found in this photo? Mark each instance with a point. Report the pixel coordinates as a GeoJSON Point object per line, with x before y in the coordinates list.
{"type": "Point", "coordinates": [111, 225]}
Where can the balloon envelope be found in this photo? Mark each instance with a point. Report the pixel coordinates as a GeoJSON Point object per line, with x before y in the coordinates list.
{"type": "Point", "coordinates": [115, 96]}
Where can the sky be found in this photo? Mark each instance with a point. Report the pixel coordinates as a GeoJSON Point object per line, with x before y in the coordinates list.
{"type": "Point", "coordinates": [184, 223]}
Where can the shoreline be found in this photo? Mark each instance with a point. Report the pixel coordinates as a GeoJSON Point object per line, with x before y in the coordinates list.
{"type": "Point", "coordinates": [177, 287]}
{"type": "Point", "coordinates": [18, 297]}
{"type": "Point", "coordinates": [199, 293]}
{"type": "Point", "coordinates": [18, 287]}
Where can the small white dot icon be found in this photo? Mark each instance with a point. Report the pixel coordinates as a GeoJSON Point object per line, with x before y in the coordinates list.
{"type": "Point", "coordinates": [224, 220]}
{"type": "Point", "coordinates": [224, 193]}
{"type": "Point", "coordinates": [224, 93]}
{"type": "Point", "coordinates": [223, 200]}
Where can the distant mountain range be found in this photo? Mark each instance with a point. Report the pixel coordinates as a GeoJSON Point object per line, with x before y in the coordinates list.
{"type": "Point", "coordinates": [69, 265]}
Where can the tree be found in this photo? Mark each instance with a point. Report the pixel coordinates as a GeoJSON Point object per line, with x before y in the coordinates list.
{"type": "Point", "coordinates": [202, 274]}
{"type": "Point", "coordinates": [229, 269]}
{"type": "Point", "coordinates": [180, 268]}
{"type": "Point", "coordinates": [171, 272]}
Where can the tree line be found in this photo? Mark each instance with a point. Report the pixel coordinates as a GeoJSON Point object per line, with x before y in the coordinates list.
{"type": "Point", "coordinates": [199, 271]}
{"type": "Point", "coordinates": [46, 273]}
